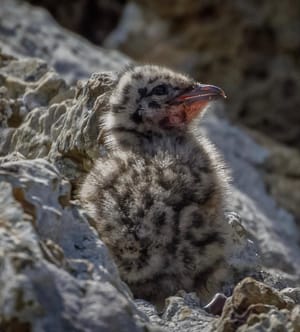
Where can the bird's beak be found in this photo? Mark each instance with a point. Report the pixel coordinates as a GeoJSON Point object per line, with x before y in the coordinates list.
{"type": "Point", "coordinates": [192, 102]}
{"type": "Point", "coordinates": [201, 92]}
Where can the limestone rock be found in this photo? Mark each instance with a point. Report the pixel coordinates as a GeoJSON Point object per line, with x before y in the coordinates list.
{"type": "Point", "coordinates": [269, 226]}
{"type": "Point", "coordinates": [92, 19]}
{"type": "Point", "coordinates": [257, 307]}
{"type": "Point", "coordinates": [59, 125]}
{"type": "Point", "coordinates": [29, 31]}
{"type": "Point", "coordinates": [182, 312]}
{"type": "Point", "coordinates": [282, 174]}
{"type": "Point", "coordinates": [42, 294]}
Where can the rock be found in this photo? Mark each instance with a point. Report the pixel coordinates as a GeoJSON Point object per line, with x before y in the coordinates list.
{"type": "Point", "coordinates": [92, 19]}
{"type": "Point", "coordinates": [132, 21]}
{"type": "Point", "coordinates": [295, 318]}
{"type": "Point", "coordinates": [54, 112]}
{"type": "Point", "coordinates": [29, 31]}
{"type": "Point", "coordinates": [39, 294]}
{"type": "Point", "coordinates": [293, 293]}
{"type": "Point", "coordinates": [282, 174]}
{"type": "Point", "coordinates": [257, 307]}
{"type": "Point", "coordinates": [181, 313]}
{"type": "Point", "coordinates": [45, 196]}
{"type": "Point", "coordinates": [268, 225]}
{"type": "Point", "coordinates": [250, 292]}
{"type": "Point", "coordinates": [173, 9]}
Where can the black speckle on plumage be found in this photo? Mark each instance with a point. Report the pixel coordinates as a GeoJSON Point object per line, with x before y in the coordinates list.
{"type": "Point", "coordinates": [158, 198]}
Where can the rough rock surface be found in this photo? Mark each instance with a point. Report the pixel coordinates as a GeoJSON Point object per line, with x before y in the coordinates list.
{"type": "Point", "coordinates": [254, 306]}
{"type": "Point", "coordinates": [93, 19]}
{"type": "Point", "coordinates": [49, 138]}
{"type": "Point", "coordinates": [182, 312]}
{"type": "Point", "coordinates": [282, 174]}
{"type": "Point", "coordinates": [44, 286]}
{"type": "Point", "coordinates": [32, 31]}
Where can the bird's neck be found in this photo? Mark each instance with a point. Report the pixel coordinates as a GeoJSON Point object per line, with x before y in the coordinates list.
{"type": "Point", "coordinates": [150, 142]}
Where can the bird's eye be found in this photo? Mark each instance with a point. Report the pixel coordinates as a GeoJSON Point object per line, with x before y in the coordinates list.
{"type": "Point", "coordinates": [142, 92]}
{"type": "Point", "coordinates": [153, 104]}
{"type": "Point", "coordinates": [160, 90]}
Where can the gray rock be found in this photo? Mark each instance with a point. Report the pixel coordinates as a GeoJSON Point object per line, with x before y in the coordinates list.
{"type": "Point", "coordinates": [46, 287]}
{"type": "Point", "coordinates": [293, 293]}
{"type": "Point", "coordinates": [257, 307]}
{"type": "Point", "coordinates": [60, 126]}
{"type": "Point", "coordinates": [29, 31]}
{"type": "Point", "coordinates": [182, 312]}
{"type": "Point", "coordinates": [270, 226]}
{"type": "Point", "coordinates": [93, 19]}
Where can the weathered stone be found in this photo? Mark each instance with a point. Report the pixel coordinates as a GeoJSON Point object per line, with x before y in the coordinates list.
{"type": "Point", "coordinates": [92, 19]}
{"type": "Point", "coordinates": [59, 126]}
{"type": "Point", "coordinates": [272, 320]}
{"type": "Point", "coordinates": [293, 293]}
{"type": "Point", "coordinates": [295, 318]}
{"type": "Point", "coordinates": [282, 174]}
{"type": "Point", "coordinates": [249, 291]}
{"type": "Point", "coordinates": [255, 306]}
{"type": "Point", "coordinates": [29, 31]}
{"type": "Point", "coordinates": [260, 215]}
{"type": "Point", "coordinates": [182, 312]}
{"type": "Point", "coordinates": [56, 274]}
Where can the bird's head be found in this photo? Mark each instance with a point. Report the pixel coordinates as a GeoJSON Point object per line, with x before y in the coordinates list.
{"type": "Point", "coordinates": [151, 100]}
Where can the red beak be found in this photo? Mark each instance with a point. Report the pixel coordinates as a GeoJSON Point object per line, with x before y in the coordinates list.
{"type": "Point", "coordinates": [201, 92]}
{"type": "Point", "coordinates": [188, 105]}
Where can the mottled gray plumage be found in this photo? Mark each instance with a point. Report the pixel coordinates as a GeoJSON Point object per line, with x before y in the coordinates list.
{"type": "Point", "coordinates": [158, 196]}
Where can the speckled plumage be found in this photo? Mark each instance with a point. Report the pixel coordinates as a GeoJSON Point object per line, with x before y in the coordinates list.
{"type": "Point", "coordinates": [158, 196]}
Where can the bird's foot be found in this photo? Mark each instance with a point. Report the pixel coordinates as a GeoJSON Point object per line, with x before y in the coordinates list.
{"type": "Point", "coordinates": [215, 306]}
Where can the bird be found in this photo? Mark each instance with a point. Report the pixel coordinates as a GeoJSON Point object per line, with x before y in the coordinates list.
{"type": "Point", "coordinates": [158, 196]}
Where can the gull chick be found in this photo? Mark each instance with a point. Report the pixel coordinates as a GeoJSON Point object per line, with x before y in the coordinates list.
{"type": "Point", "coordinates": [158, 196]}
